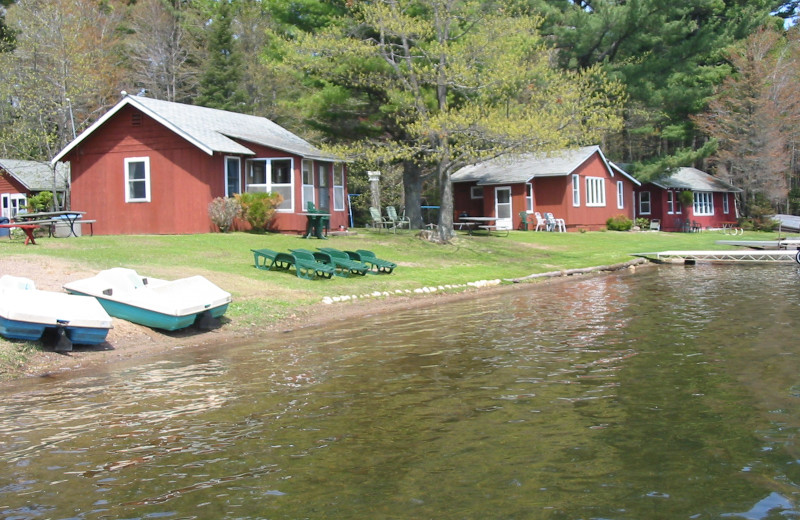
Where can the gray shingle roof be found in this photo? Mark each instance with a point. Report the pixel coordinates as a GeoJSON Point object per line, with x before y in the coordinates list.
{"type": "Point", "coordinates": [35, 175]}
{"type": "Point", "coordinates": [524, 167]}
{"type": "Point", "coordinates": [212, 130]}
{"type": "Point", "coordinates": [695, 180]}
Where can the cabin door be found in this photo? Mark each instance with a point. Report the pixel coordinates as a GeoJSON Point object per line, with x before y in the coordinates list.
{"type": "Point", "coordinates": [502, 207]}
{"type": "Point", "coordinates": [323, 193]}
{"type": "Point", "coordinates": [12, 203]}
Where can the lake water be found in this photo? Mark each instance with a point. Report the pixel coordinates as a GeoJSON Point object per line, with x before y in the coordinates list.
{"type": "Point", "coordinates": [670, 393]}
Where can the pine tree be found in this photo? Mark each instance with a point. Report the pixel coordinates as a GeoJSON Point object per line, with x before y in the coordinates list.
{"type": "Point", "coordinates": [458, 81]}
{"type": "Point", "coordinates": [220, 85]}
{"type": "Point", "coordinates": [670, 55]}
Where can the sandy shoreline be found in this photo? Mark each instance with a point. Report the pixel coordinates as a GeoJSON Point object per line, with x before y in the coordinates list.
{"type": "Point", "coordinates": [130, 341]}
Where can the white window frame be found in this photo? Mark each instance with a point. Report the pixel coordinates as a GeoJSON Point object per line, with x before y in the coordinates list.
{"type": "Point", "coordinates": [307, 180]}
{"type": "Point", "coordinates": [475, 192]}
{"type": "Point", "coordinates": [13, 203]}
{"type": "Point", "coordinates": [576, 190]}
{"type": "Point", "coordinates": [529, 197]}
{"type": "Point", "coordinates": [338, 187]}
{"type": "Point", "coordinates": [228, 192]}
{"type": "Point", "coordinates": [703, 203]}
{"type": "Point", "coordinates": [128, 195]}
{"type": "Point", "coordinates": [595, 192]}
{"type": "Point", "coordinates": [670, 202]}
{"type": "Point", "coordinates": [645, 203]}
{"type": "Point", "coordinates": [726, 205]}
{"type": "Point", "coordinates": [620, 195]}
{"type": "Point", "coordinates": [287, 206]}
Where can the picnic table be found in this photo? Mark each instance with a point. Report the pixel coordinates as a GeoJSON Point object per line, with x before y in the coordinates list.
{"type": "Point", "coordinates": [26, 228]}
{"type": "Point", "coordinates": [52, 218]}
{"type": "Point", "coordinates": [731, 228]}
{"type": "Point", "coordinates": [486, 224]}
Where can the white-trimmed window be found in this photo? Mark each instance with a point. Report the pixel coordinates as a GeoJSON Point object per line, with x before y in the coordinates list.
{"type": "Point", "coordinates": [476, 192]}
{"type": "Point", "coordinates": [13, 203]}
{"type": "Point", "coordinates": [529, 197]}
{"type": "Point", "coordinates": [620, 195]}
{"type": "Point", "coordinates": [272, 175]}
{"type": "Point", "coordinates": [644, 202]}
{"type": "Point", "coordinates": [595, 191]}
{"type": "Point", "coordinates": [137, 179]}
{"type": "Point", "coordinates": [576, 190]}
{"type": "Point", "coordinates": [726, 208]}
{"type": "Point", "coordinates": [703, 203]}
{"type": "Point", "coordinates": [338, 187]}
{"type": "Point", "coordinates": [308, 183]}
{"type": "Point", "coordinates": [233, 176]}
{"type": "Point", "coordinates": [670, 202]}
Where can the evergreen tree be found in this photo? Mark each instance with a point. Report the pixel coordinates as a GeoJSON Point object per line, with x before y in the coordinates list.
{"type": "Point", "coordinates": [670, 55]}
{"type": "Point", "coordinates": [459, 81]}
{"type": "Point", "coordinates": [220, 84]}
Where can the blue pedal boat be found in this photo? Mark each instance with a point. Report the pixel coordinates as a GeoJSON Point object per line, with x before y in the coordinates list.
{"type": "Point", "coordinates": [26, 313]}
{"type": "Point", "coordinates": [155, 303]}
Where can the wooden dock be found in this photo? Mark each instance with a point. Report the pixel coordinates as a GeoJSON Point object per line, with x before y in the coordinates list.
{"type": "Point", "coordinates": [787, 243]}
{"type": "Point", "coordinates": [735, 256]}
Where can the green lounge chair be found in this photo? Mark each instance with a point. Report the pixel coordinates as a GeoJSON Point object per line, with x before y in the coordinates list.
{"type": "Point", "coordinates": [368, 257]}
{"type": "Point", "coordinates": [308, 267]}
{"type": "Point", "coordinates": [397, 222]}
{"type": "Point", "coordinates": [377, 220]}
{"type": "Point", "coordinates": [268, 259]}
{"type": "Point", "coordinates": [345, 265]}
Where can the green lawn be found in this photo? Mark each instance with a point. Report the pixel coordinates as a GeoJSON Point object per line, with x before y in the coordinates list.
{"type": "Point", "coordinates": [261, 297]}
{"type": "Point", "coordinates": [468, 258]}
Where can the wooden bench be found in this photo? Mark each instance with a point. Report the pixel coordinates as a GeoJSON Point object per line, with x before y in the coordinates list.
{"type": "Point", "coordinates": [489, 228]}
{"type": "Point", "coordinates": [51, 224]}
{"type": "Point", "coordinates": [91, 225]}
{"type": "Point", "coordinates": [27, 228]}
{"type": "Point", "coordinates": [461, 226]}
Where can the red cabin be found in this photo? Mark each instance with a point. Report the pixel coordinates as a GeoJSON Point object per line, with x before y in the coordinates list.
{"type": "Point", "coordinates": [713, 201]}
{"type": "Point", "coordinates": [578, 185]}
{"type": "Point", "coordinates": [20, 180]}
{"type": "Point", "coordinates": [152, 167]}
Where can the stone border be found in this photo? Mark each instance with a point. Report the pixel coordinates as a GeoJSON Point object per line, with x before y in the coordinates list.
{"type": "Point", "coordinates": [482, 283]}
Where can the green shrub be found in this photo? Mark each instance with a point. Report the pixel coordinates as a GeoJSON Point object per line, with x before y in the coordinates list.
{"type": "Point", "coordinates": [259, 208]}
{"type": "Point", "coordinates": [41, 202]}
{"type": "Point", "coordinates": [619, 223]}
{"type": "Point", "coordinates": [760, 223]}
{"type": "Point", "coordinates": [643, 223]}
{"type": "Point", "coordinates": [222, 211]}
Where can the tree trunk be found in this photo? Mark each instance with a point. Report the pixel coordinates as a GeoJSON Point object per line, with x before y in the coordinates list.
{"type": "Point", "coordinates": [445, 205]}
{"type": "Point", "coordinates": [412, 190]}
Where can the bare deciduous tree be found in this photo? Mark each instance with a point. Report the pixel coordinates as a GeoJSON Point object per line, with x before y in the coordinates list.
{"type": "Point", "coordinates": [754, 117]}
{"type": "Point", "coordinates": [163, 51]}
{"type": "Point", "coordinates": [62, 73]}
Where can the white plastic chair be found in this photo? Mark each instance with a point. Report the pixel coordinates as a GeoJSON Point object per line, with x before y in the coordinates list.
{"type": "Point", "coordinates": [541, 223]}
{"type": "Point", "coordinates": [555, 224]}
{"type": "Point", "coordinates": [655, 224]}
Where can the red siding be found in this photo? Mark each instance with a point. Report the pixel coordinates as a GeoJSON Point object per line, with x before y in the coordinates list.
{"type": "Point", "coordinates": [8, 184]}
{"type": "Point", "coordinates": [675, 221]}
{"type": "Point", "coordinates": [184, 180]}
{"type": "Point", "coordinates": [554, 195]}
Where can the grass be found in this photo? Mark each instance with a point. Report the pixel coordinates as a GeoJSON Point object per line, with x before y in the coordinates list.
{"type": "Point", "coordinates": [261, 297]}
